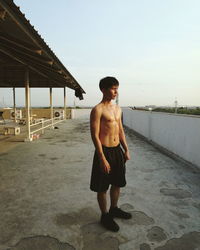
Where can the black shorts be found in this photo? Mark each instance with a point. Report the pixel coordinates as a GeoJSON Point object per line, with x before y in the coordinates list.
{"type": "Point", "coordinates": [100, 181]}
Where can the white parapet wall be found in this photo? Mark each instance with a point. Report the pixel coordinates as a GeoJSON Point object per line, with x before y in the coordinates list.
{"type": "Point", "coordinates": [80, 113]}
{"type": "Point", "coordinates": [179, 134]}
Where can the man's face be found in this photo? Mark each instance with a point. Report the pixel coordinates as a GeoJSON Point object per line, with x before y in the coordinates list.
{"type": "Point", "coordinates": [111, 93]}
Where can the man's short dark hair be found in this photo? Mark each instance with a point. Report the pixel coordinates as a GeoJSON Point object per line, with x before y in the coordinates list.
{"type": "Point", "coordinates": [108, 82]}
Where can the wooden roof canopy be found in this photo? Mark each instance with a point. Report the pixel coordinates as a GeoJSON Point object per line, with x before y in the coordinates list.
{"type": "Point", "coordinates": [20, 47]}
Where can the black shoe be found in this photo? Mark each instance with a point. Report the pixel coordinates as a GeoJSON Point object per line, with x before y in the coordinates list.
{"type": "Point", "coordinates": [108, 222]}
{"type": "Point", "coordinates": [118, 213]}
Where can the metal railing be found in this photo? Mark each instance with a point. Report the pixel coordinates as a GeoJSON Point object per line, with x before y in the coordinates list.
{"type": "Point", "coordinates": [42, 122]}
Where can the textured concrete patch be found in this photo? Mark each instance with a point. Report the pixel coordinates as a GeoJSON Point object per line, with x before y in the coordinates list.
{"type": "Point", "coordinates": [3, 154]}
{"type": "Point", "coordinates": [180, 215]}
{"type": "Point", "coordinates": [66, 142]}
{"type": "Point", "coordinates": [139, 218]}
{"type": "Point", "coordinates": [197, 205]}
{"type": "Point", "coordinates": [156, 234]}
{"type": "Point", "coordinates": [42, 155]}
{"type": "Point", "coordinates": [176, 193]}
{"type": "Point", "coordinates": [84, 216]}
{"type": "Point", "coordinates": [63, 141]}
{"type": "Point", "coordinates": [66, 219]}
{"type": "Point", "coordinates": [126, 207]}
{"type": "Point", "coordinates": [92, 238]}
{"type": "Point", "coordinates": [54, 158]}
{"type": "Point", "coordinates": [148, 170]}
{"type": "Point", "coordinates": [190, 241]}
{"type": "Point", "coordinates": [163, 183]}
{"type": "Point", "coordinates": [129, 245]}
{"type": "Point", "coordinates": [82, 128]}
{"type": "Point", "coordinates": [48, 138]}
{"type": "Point", "coordinates": [41, 243]}
{"type": "Point", "coordinates": [145, 246]}
{"type": "Point", "coordinates": [180, 203]}
{"type": "Point", "coordinates": [11, 225]}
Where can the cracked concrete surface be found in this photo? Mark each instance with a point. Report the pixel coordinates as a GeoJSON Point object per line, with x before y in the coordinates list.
{"type": "Point", "coordinates": [41, 242]}
{"type": "Point", "coordinates": [45, 201]}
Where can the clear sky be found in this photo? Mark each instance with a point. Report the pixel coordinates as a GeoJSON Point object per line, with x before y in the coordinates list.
{"type": "Point", "coordinates": [151, 46]}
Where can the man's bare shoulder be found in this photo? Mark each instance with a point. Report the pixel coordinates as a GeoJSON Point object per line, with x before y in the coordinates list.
{"type": "Point", "coordinates": [97, 110]}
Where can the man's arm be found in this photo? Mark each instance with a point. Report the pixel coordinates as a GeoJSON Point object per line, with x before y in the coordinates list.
{"type": "Point", "coordinates": [122, 138]}
{"type": "Point", "coordinates": [95, 118]}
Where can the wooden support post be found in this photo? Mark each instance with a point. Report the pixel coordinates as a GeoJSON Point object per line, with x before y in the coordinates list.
{"type": "Point", "coordinates": [65, 115]}
{"type": "Point", "coordinates": [14, 105]}
{"type": "Point", "coordinates": [51, 106]}
{"type": "Point", "coordinates": [29, 138]}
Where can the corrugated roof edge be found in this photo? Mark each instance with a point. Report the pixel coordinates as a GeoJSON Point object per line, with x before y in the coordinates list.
{"type": "Point", "coordinates": [41, 41]}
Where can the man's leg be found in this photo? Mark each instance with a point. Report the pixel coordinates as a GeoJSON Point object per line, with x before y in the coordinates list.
{"type": "Point", "coordinates": [114, 210]}
{"type": "Point", "coordinates": [114, 196]}
{"type": "Point", "coordinates": [106, 220]}
{"type": "Point", "coordinates": [102, 200]}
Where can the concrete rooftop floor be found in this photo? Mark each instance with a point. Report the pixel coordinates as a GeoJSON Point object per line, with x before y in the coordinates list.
{"type": "Point", "coordinates": [46, 203]}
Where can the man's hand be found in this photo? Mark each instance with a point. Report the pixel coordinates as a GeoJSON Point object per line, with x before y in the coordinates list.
{"type": "Point", "coordinates": [105, 166]}
{"type": "Point", "coordinates": [127, 155]}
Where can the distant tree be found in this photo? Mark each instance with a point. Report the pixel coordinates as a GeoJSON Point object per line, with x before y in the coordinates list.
{"type": "Point", "coordinates": [180, 110]}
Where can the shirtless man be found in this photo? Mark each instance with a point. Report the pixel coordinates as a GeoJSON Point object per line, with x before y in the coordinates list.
{"type": "Point", "coordinates": [109, 158]}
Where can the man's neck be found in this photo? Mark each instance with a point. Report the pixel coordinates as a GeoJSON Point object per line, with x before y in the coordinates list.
{"type": "Point", "coordinates": [106, 101]}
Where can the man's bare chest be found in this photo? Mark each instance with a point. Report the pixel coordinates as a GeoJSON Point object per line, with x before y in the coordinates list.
{"type": "Point", "coordinates": [110, 115]}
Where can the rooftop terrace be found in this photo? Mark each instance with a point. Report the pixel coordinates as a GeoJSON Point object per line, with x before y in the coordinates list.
{"type": "Point", "coordinates": [46, 202]}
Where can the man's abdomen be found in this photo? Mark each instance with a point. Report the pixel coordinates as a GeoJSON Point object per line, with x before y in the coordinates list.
{"type": "Point", "coordinates": [109, 137]}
